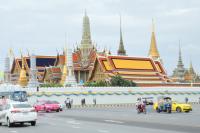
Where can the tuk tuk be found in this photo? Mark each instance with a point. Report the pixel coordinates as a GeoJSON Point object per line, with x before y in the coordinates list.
{"type": "Point", "coordinates": [164, 104]}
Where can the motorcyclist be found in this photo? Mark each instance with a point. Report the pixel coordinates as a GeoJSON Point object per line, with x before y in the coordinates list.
{"type": "Point", "coordinates": [138, 102]}
{"type": "Point", "coordinates": [140, 105]}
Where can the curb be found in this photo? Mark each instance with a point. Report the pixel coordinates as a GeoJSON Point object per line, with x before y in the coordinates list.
{"type": "Point", "coordinates": [104, 105]}
{"type": "Point", "coordinates": [114, 105]}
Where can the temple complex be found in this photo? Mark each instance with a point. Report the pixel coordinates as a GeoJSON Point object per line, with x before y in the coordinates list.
{"type": "Point", "coordinates": [85, 64]}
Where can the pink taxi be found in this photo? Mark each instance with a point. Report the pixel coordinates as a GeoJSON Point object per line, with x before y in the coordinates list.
{"type": "Point", "coordinates": [47, 106]}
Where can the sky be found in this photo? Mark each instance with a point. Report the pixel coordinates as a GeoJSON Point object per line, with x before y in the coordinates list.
{"type": "Point", "coordinates": [40, 26]}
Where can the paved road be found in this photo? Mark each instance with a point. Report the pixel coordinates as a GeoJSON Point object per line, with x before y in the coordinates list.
{"type": "Point", "coordinates": [111, 120]}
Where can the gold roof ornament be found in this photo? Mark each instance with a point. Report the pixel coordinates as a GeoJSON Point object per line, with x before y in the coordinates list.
{"type": "Point", "coordinates": [64, 71]}
{"type": "Point", "coordinates": [153, 51]}
{"type": "Point", "coordinates": [22, 77]}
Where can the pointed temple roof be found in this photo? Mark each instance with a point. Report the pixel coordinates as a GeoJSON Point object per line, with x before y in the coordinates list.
{"type": "Point", "coordinates": [153, 51]}
{"type": "Point", "coordinates": [180, 62]}
{"type": "Point", "coordinates": [179, 71]}
{"type": "Point", "coordinates": [86, 36]}
{"type": "Point", "coordinates": [121, 50]}
{"type": "Point", "coordinates": [191, 69]}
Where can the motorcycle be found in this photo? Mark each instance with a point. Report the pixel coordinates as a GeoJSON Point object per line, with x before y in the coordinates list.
{"type": "Point", "coordinates": [141, 108]}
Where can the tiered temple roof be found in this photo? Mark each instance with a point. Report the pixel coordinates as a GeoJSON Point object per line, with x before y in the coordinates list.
{"type": "Point", "coordinates": [137, 69]}
{"type": "Point", "coordinates": [41, 63]}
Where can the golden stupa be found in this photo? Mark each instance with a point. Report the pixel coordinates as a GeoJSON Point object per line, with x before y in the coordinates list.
{"type": "Point", "coordinates": [22, 77]}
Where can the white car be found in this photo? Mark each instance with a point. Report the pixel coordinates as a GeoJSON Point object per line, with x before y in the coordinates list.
{"type": "Point", "coordinates": [17, 112]}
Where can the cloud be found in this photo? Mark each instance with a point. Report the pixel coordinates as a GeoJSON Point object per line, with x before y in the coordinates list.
{"type": "Point", "coordinates": [40, 25]}
{"type": "Point", "coordinates": [178, 12]}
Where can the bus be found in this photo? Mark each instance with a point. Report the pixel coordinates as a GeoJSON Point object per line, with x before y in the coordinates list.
{"type": "Point", "coordinates": [20, 96]}
{"type": "Point", "coordinates": [13, 94]}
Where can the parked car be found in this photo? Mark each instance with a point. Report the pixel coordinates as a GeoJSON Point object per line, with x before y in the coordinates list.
{"type": "Point", "coordinates": [47, 106]}
{"type": "Point", "coordinates": [175, 106]}
{"type": "Point", "coordinates": [17, 112]}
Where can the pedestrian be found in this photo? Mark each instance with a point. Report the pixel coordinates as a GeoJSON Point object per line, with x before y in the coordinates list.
{"type": "Point", "coordinates": [84, 104]}
{"type": "Point", "coordinates": [71, 103]}
{"type": "Point", "coordinates": [94, 101]}
{"type": "Point", "coordinates": [67, 103]}
{"type": "Point", "coordinates": [199, 100]}
{"type": "Point", "coordinates": [186, 100]}
{"type": "Point", "coordinates": [37, 88]}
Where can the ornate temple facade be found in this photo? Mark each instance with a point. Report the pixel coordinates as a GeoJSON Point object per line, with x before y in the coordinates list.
{"type": "Point", "coordinates": [85, 54]}
{"type": "Point", "coordinates": [21, 68]}
{"type": "Point", "coordinates": [53, 69]}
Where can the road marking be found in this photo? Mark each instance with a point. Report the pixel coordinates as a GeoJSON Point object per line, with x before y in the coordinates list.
{"type": "Point", "coordinates": [13, 131]}
{"type": "Point", "coordinates": [75, 127]}
{"type": "Point", "coordinates": [52, 124]}
{"type": "Point", "coordinates": [103, 131]}
{"type": "Point", "coordinates": [73, 122]}
{"type": "Point", "coordinates": [113, 121]}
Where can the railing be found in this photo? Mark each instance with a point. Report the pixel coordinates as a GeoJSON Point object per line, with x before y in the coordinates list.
{"type": "Point", "coordinates": [112, 89]}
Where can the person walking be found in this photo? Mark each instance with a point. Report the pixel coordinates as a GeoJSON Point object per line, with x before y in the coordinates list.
{"type": "Point", "coordinates": [94, 101]}
{"type": "Point", "coordinates": [84, 102]}
{"type": "Point", "coordinates": [71, 103]}
{"type": "Point", "coordinates": [199, 100]}
{"type": "Point", "coordinates": [67, 103]}
{"type": "Point", "coordinates": [186, 100]}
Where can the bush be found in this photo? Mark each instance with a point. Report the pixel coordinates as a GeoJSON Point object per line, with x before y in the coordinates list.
{"type": "Point", "coordinates": [96, 84]}
{"type": "Point", "coordinates": [119, 81]}
{"type": "Point", "coordinates": [115, 81]}
{"type": "Point", "coordinates": [51, 85]}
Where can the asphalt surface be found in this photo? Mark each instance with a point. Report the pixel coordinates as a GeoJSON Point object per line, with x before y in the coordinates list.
{"type": "Point", "coordinates": [111, 120]}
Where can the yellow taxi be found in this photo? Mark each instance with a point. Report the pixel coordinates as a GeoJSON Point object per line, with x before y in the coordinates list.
{"type": "Point", "coordinates": [178, 107]}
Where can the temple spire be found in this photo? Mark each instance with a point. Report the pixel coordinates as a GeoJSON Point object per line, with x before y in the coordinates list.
{"type": "Point", "coordinates": [153, 51]}
{"type": "Point", "coordinates": [180, 62]}
{"type": "Point", "coordinates": [86, 36]}
{"type": "Point", "coordinates": [121, 50]}
{"type": "Point", "coordinates": [191, 69]}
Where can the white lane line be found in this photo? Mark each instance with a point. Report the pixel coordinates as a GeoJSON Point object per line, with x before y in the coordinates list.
{"type": "Point", "coordinates": [13, 131]}
{"type": "Point", "coordinates": [103, 131]}
{"type": "Point", "coordinates": [113, 121]}
{"type": "Point", "coordinates": [73, 122]}
{"type": "Point", "coordinates": [75, 127]}
{"type": "Point", "coordinates": [52, 124]}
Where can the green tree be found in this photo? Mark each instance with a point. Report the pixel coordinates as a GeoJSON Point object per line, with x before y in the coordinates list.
{"type": "Point", "coordinates": [119, 81]}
